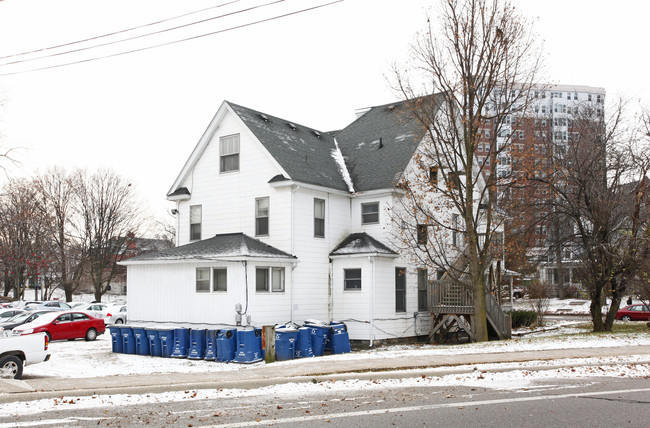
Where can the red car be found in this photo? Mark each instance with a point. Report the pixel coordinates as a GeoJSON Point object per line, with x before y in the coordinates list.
{"type": "Point", "coordinates": [634, 313]}
{"type": "Point", "coordinates": [65, 325]}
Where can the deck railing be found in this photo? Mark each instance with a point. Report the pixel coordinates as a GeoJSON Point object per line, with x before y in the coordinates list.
{"type": "Point", "coordinates": [449, 296]}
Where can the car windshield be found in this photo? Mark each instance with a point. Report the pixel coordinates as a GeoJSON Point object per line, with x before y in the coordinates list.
{"type": "Point", "coordinates": [43, 318]}
{"type": "Point", "coordinates": [20, 317]}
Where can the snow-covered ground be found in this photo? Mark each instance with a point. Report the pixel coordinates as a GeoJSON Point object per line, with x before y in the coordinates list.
{"type": "Point", "coordinates": [88, 359]}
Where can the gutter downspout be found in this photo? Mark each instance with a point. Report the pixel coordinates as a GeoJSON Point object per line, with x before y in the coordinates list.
{"type": "Point", "coordinates": [293, 283]}
{"type": "Point", "coordinates": [372, 302]}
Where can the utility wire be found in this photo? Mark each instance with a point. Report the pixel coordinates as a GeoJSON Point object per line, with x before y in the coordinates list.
{"type": "Point", "coordinates": [176, 41]}
{"type": "Point", "coordinates": [119, 31]}
{"type": "Point", "coordinates": [143, 35]}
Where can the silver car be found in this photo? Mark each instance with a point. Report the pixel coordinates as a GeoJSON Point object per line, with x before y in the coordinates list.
{"type": "Point", "coordinates": [116, 314]}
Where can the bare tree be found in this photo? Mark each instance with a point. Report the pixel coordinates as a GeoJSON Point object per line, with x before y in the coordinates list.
{"type": "Point", "coordinates": [57, 190]}
{"type": "Point", "coordinates": [599, 184]}
{"type": "Point", "coordinates": [482, 61]}
{"type": "Point", "coordinates": [109, 213]}
{"type": "Point", "coordinates": [24, 248]}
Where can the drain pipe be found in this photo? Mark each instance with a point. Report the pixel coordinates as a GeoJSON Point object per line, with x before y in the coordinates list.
{"type": "Point", "coordinates": [293, 283]}
{"type": "Point", "coordinates": [372, 302]}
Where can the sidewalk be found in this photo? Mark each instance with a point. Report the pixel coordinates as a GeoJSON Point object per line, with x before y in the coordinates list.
{"type": "Point", "coordinates": [304, 370]}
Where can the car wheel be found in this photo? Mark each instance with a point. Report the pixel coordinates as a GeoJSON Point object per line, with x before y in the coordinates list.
{"type": "Point", "coordinates": [626, 318]}
{"type": "Point", "coordinates": [11, 367]}
{"type": "Point", "coordinates": [91, 334]}
{"type": "Point", "coordinates": [119, 321]}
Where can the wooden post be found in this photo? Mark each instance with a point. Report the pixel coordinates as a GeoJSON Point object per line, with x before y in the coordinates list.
{"type": "Point", "coordinates": [268, 332]}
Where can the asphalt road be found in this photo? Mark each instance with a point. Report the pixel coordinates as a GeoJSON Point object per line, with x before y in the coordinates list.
{"type": "Point", "coordinates": [594, 402]}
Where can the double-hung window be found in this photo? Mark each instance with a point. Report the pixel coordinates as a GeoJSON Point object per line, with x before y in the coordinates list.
{"type": "Point", "coordinates": [422, 290]}
{"type": "Point", "coordinates": [195, 222]}
{"type": "Point", "coordinates": [400, 290]}
{"type": "Point", "coordinates": [351, 279]}
{"type": "Point", "coordinates": [202, 280]}
{"type": "Point", "coordinates": [370, 213]}
{"type": "Point", "coordinates": [229, 153]}
{"type": "Point", "coordinates": [261, 216]}
{"type": "Point", "coordinates": [269, 279]}
{"type": "Point", "coordinates": [319, 218]}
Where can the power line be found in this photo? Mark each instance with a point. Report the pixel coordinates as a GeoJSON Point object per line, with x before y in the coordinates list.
{"type": "Point", "coordinates": [143, 35]}
{"type": "Point", "coordinates": [176, 41]}
{"type": "Point", "coordinates": [119, 31]}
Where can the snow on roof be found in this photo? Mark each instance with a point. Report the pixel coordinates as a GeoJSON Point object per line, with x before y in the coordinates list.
{"type": "Point", "coordinates": [340, 162]}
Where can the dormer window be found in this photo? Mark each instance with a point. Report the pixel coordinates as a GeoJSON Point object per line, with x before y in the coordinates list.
{"type": "Point", "coordinates": [229, 153]}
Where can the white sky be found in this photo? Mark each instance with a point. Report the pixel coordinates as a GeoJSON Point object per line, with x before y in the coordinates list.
{"type": "Point", "coordinates": [142, 113]}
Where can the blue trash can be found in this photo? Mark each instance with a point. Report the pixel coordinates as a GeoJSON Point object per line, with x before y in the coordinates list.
{"type": "Point", "coordinates": [141, 341]}
{"type": "Point", "coordinates": [226, 344]}
{"type": "Point", "coordinates": [197, 344]}
{"type": "Point", "coordinates": [166, 336]}
{"type": "Point", "coordinates": [319, 333]}
{"type": "Point", "coordinates": [303, 343]}
{"type": "Point", "coordinates": [154, 342]}
{"type": "Point", "coordinates": [211, 344]}
{"type": "Point", "coordinates": [128, 340]}
{"type": "Point", "coordinates": [181, 342]}
{"type": "Point", "coordinates": [116, 338]}
{"type": "Point", "coordinates": [340, 339]}
{"type": "Point", "coordinates": [249, 346]}
{"type": "Point", "coordinates": [285, 343]}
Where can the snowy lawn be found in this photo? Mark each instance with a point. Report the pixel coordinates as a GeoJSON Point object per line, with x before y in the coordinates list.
{"type": "Point", "coordinates": [93, 359]}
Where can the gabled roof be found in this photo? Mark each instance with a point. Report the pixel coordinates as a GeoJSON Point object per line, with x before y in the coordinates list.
{"type": "Point", "coordinates": [306, 154]}
{"type": "Point", "coordinates": [235, 246]}
{"type": "Point", "coordinates": [379, 145]}
{"type": "Point", "coordinates": [361, 243]}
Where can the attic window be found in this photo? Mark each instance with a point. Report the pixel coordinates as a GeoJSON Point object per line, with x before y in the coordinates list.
{"type": "Point", "coordinates": [291, 125]}
{"type": "Point", "coordinates": [264, 117]}
{"type": "Point", "coordinates": [316, 133]}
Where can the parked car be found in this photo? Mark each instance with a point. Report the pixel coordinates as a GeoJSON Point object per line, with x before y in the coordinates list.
{"type": "Point", "coordinates": [20, 319]}
{"type": "Point", "coordinates": [54, 305]}
{"type": "Point", "coordinates": [23, 304]}
{"type": "Point", "coordinates": [98, 310]}
{"type": "Point", "coordinates": [634, 313]}
{"type": "Point", "coordinates": [7, 313]}
{"type": "Point", "coordinates": [67, 325]}
{"type": "Point", "coordinates": [116, 314]}
{"type": "Point", "coordinates": [19, 351]}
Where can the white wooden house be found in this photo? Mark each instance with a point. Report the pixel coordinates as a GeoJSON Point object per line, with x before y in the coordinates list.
{"type": "Point", "coordinates": [279, 222]}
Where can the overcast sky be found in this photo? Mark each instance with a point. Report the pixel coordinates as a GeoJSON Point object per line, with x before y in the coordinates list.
{"type": "Point", "coordinates": [142, 113]}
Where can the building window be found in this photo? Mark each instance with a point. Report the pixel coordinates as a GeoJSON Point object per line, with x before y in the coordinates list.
{"type": "Point", "coordinates": [454, 229]}
{"type": "Point", "coordinates": [433, 175]}
{"type": "Point", "coordinates": [352, 279]}
{"type": "Point", "coordinates": [229, 153]}
{"type": "Point", "coordinates": [521, 134]}
{"type": "Point", "coordinates": [370, 213]}
{"type": "Point", "coordinates": [422, 290]}
{"type": "Point", "coordinates": [479, 147]}
{"type": "Point", "coordinates": [202, 280]}
{"type": "Point", "coordinates": [195, 222]}
{"type": "Point", "coordinates": [400, 290]}
{"type": "Point", "coordinates": [261, 216]}
{"type": "Point", "coordinates": [220, 279]}
{"type": "Point", "coordinates": [588, 97]}
{"type": "Point", "coordinates": [265, 276]}
{"type": "Point", "coordinates": [422, 234]}
{"type": "Point", "coordinates": [319, 218]}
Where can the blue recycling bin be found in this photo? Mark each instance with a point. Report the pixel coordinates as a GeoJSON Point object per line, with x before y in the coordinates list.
{"type": "Point", "coordinates": [211, 344]}
{"type": "Point", "coordinates": [154, 342]}
{"type": "Point", "coordinates": [249, 346]}
{"type": "Point", "coordinates": [181, 342]}
{"type": "Point", "coordinates": [340, 339]}
{"type": "Point", "coordinates": [285, 343]}
{"type": "Point", "coordinates": [303, 343]}
{"type": "Point", "coordinates": [166, 337]}
{"type": "Point", "coordinates": [226, 345]}
{"type": "Point", "coordinates": [128, 340]}
{"type": "Point", "coordinates": [197, 344]}
{"type": "Point", "coordinates": [116, 338]}
{"type": "Point", "coordinates": [141, 341]}
{"type": "Point", "coordinates": [319, 333]}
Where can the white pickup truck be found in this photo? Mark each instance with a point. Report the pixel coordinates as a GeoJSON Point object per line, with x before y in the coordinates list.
{"type": "Point", "coordinates": [19, 351]}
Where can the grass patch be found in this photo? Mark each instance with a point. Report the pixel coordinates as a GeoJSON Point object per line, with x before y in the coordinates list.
{"type": "Point", "coordinates": [619, 327]}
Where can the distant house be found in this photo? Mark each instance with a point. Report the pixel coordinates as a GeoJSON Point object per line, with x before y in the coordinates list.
{"type": "Point", "coordinates": [280, 222]}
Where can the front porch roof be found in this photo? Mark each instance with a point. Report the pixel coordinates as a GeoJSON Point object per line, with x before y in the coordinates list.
{"type": "Point", "coordinates": [362, 244]}
{"type": "Point", "coordinates": [229, 246]}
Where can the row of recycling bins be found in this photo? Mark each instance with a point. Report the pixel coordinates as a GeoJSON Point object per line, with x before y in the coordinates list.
{"type": "Point", "coordinates": [230, 344]}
